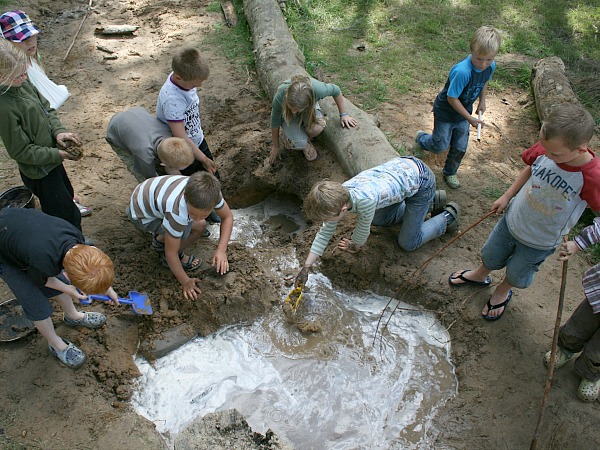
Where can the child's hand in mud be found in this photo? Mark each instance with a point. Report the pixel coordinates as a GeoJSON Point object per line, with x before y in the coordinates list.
{"type": "Point", "coordinates": [302, 277]}
{"type": "Point", "coordinates": [346, 245]}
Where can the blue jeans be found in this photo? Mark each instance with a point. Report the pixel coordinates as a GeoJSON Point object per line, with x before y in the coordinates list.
{"type": "Point", "coordinates": [502, 250]}
{"type": "Point", "coordinates": [447, 134]}
{"type": "Point", "coordinates": [411, 212]}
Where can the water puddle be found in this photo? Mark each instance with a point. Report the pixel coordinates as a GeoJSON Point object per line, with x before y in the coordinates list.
{"type": "Point", "coordinates": [332, 389]}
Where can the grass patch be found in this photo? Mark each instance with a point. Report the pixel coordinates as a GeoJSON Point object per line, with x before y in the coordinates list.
{"type": "Point", "coordinates": [236, 42]}
{"type": "Point", "coordinates": [493, 193]}
{"type": "Point", "coordinates": [411, 45]}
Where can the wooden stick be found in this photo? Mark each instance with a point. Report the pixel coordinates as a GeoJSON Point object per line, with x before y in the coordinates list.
{"type": "Point", "coordinates": [78, 30]}
{"type": "Point", "coordinates": [420, 269]}
{"type": "Point", "coordinates": [479, 126]}
{"type": "Point", "coordinates": [561, 299]}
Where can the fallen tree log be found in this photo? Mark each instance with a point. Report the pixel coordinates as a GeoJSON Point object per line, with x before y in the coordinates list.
{"type": "Point", "coordinates": [278, 58]}
{"type": "Point", "coordinates": [551, 86]}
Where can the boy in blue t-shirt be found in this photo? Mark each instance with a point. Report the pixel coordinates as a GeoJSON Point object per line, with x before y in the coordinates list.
{"type": "Point", "coordinates": [453, 106]}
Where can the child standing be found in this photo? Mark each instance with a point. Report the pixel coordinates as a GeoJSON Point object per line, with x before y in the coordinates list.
{"type": "Point", "coordinates": [34, 137]}
{"type": "Point", "coordinates": [296, 110]}
{"type": "Point", "coordinates": [18, 28]}
{"type": "Point", "coordinates": [179, 106]}
{"type": "Point", "coordinates": [453, 106]}
{"type": "Point", "coordinates": [34, 250]}
{"type": "Point", "coordinates": [581, 333]}
{"type": "Point", "coordinates": [401, 190]}
{"type": "Point", "coordinates": [173, 209]}
{"type": "Point", "coordinates": [561, 179]}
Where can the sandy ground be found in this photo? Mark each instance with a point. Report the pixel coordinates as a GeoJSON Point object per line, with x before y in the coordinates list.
{"type": "Point", "coordinates": [499, 365]}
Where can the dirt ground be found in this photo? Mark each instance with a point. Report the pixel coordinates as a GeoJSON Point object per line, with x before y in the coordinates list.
{"type": "Point", "coordinates": [499, 365]}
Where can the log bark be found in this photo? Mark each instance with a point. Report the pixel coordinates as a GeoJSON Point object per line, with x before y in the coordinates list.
{"type": "Point", "coordinates": [551, 86]}
{"type": "Point", "coordinates": [278, 58]}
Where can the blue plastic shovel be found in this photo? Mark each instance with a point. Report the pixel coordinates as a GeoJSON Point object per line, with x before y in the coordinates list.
{"type": "Point", "coordinates": [139, 302]}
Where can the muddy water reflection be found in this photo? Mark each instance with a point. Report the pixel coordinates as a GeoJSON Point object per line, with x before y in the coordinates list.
{"type": "Point", "coordinates": [328, 390]}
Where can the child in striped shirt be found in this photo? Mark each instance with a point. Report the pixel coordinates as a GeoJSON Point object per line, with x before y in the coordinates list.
{"type": "Point", "coordinates": [173, 208]}
{"type": "Point", "coordinates": [400, 190]}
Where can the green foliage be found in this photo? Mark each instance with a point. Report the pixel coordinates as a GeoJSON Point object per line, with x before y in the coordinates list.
{"type": "Point", "coordinates": [236, 42]}
{"type": "Point", "coordinates": [379, 49]}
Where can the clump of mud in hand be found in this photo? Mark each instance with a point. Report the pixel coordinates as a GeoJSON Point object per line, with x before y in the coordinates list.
{"type": "Point", "coordinates": [73, 150]}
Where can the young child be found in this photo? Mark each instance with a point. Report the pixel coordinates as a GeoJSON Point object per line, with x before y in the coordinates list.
{"type": "Point", "coordinates": [453, 106]}
{"type": "Point", "coordinates": [34, 137]}
{"type": "Point", "coordinates": [581, 333]}
{"type": "Point", "coordinates": [561, 179]}
{"type": "Point", "coordinates": [179, 106]}
{"type": "Point", "coordinates": [400, 190]}
{"type": "Point", "coordinates": [34, 250]}
{"type": "Point", "coordinates": [173, 208]}
{"type": "Point", "coordinates": [296, 110]}
{"type": "Point", "coordinates": [18, 28]}
{"type": "Point", "coordinates": [145, 145]}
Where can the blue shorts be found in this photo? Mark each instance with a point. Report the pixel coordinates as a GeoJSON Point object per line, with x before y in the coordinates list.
{"type": "Point", "coordinates": [503, 250]}
{"type": "Point", "coordinates": [33, 299]}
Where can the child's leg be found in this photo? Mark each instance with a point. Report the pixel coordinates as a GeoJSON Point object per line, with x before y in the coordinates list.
{"type": "Point", "coordinates": [56, 195]}
{"type": "Point", "coordinates": [458, 147]}
{"type": "Point", "coordinates": [415, 231]}
{"type": "Point", "coordinates": [439, 140]}
{"type": "Point", "coordinates": [582, 333]}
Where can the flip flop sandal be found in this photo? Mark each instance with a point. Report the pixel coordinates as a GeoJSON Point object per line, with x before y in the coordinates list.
{"type": "Point", "coordinates": [157, 246]}
{"type": "Point", "coordinates": [310, 152]}
{"type": "Point", "coordinates": [465, 281]}
{"type": "Point", "coordinates": [187, 266]}
{"type": "Point", "coordinates": [492, 307]}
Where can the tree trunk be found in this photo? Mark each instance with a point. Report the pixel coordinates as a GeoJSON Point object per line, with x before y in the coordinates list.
{"type": "Point", "coordinates": [550, 86]}
{"type": "Point", "coordinates": [278, 58]}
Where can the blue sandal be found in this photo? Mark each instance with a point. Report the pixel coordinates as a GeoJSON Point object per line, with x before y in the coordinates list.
{"type": "Point", "coordinates": [498, 306]}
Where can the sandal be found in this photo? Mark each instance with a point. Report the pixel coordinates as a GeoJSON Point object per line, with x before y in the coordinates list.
{"type": "Point", "coordinates": [465, 281]}
{"type": "Point", "coordinates": [157, 246]}
{"type": "Point", "coordinates": [89, 320]}
{"type": "Point", "coordinates": [588, 391]}
{"type": "Point", "coordinates": [71, 356]}
{"type": "Point", "coordinates": [498, 306]}
{"type": "Point", "coordinates": [310, 152]}
{"type": "Point", "coordinates": [438, 203]}
{"type": "Point", "coordinates": [193, 263]}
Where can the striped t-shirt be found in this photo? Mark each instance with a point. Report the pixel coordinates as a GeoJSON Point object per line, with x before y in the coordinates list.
{"type": "Point", "coordinates": [162, 198]}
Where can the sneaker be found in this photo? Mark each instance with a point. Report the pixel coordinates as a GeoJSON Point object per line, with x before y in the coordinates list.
{"type": "Point", "coordinates": [588, 391]}
{"type": "Point", "coordinates": [71, 356]}
{"type": "Point", "coordinates": [453, 210]}
{"type": "Point", "coordinates": [89, 320]}
{"type": "Point", "coordinates": [562, 357]}
{"type": "Point", "coordinates": [417, 137]}
{"type": "Point", "coordinates": [439, 201]}
{"type": "Point", "coordinates": [83, 210]}
{"type": "Point", "coordinates": [452, 181]}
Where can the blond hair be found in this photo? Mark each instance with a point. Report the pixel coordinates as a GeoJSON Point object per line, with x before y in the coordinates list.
{"type": "Point", "coordinates": [89, 269]}
{"type": "Point", "coordinates": [486, 40]}
{"type": "Point", "coordinates": [189, 65]}
{"type": "Point", "coordinates": [325, 200]}
{"type": "Point", "coordinates": [571, 123]}
{"type": "Point", "coordinates": [299, 95]}
{"type": "Point", "coordinates": [203, 190]}
{"type": "Point", "coordinates": [13, 61]}
{"type": "Point", "coordinates": [175, 152]}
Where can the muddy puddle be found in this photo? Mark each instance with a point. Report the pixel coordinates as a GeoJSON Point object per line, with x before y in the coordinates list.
{"type": "Point", "coordinates": [334, 386]}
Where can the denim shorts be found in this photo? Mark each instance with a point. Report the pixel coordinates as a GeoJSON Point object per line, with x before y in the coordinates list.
{"type": "Point", "coordinates": [503, 250]}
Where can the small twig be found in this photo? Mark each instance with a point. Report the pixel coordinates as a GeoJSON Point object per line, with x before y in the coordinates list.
{"type": "Point", "coordinates": [561, 299]}
{"type": "Point", "coordinates": [78, 30]}
{"type": "Point", "coordinates": [419, 270]}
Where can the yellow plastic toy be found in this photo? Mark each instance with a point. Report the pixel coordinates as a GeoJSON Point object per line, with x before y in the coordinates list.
{"type": "Point", "coordinates": [294, 298]}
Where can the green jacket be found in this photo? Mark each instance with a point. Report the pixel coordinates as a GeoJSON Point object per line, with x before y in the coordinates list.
{"type": "Point", "coordinates": [28, 128]}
